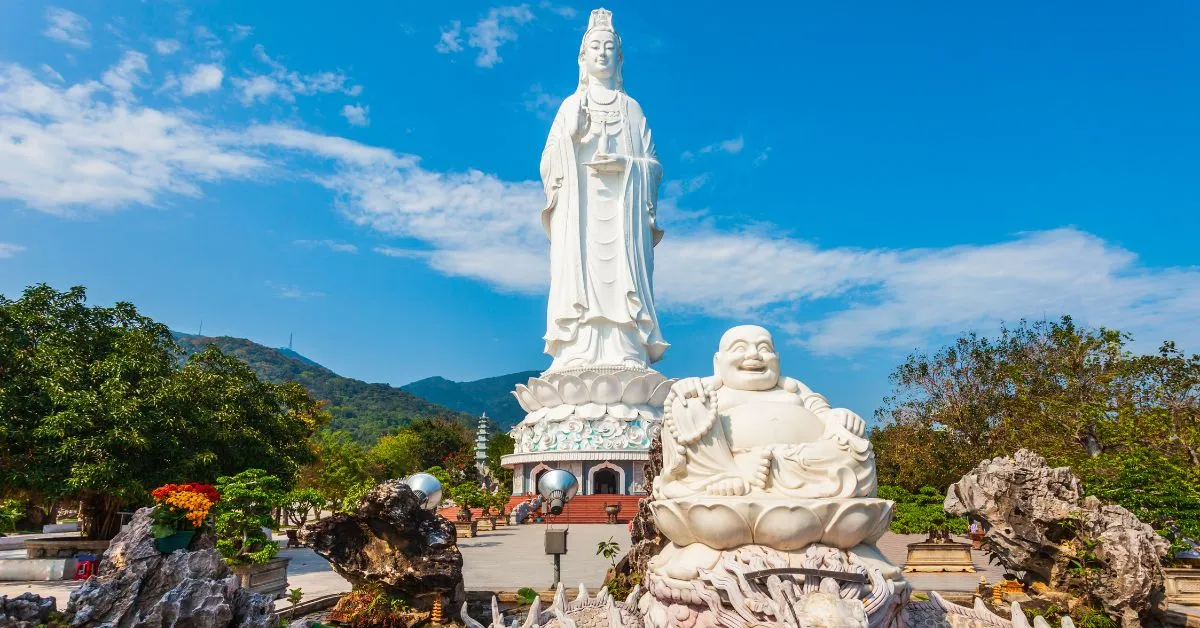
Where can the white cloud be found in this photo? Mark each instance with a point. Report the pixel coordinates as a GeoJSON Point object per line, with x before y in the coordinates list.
{"type": "Point", "coordinates": [167, 46]}
{"type": "Point", "coordinates": [52, 73]}
{"type": "Point", "coordinates": [495, 30]}
{"type": "Point", "coordinates": [72, 150]}
{"type": "Point", "coordinates": [126, 74]}
{"type": "Point", "coordinates": [67, 27]}
{"type": "Point", "coordinates": [357, 114]}
{"type": "Point", "coordinates": [561, 11]}
{"type": "Point", "coordinates": [732, 146]}
{"type": "Point", "coordinates": [238, 32]}
{"type": "Point", "coordinates": [285, 84]}
{"type": "Point", "coordinates": [332, 245]}
{"type": "Point", "coordinates": [288, 291]}
{"type": "Point", "coordinates": [206, 37]}
{"type": "Point", "coordinates": [451, 38]}
{"type": "Point", "coordinates": [8, 249]}
{"type": "Point", "coordinates": [543, 104]}
{"type": "Point", "coordinates": [203, 78]}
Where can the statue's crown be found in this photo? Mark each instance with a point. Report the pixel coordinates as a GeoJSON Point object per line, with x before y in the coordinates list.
{"type": "Point", "coordinates": [601, 20]}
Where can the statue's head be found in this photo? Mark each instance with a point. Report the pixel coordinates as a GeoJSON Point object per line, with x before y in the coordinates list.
{"type": "Point", "coordinates": [746, 359]}
{"type": "Point", "coordinates": [600, 51]}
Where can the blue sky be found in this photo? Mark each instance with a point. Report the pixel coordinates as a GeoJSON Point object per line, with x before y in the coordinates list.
{"type": "Point", "coordinates": [865, 178]}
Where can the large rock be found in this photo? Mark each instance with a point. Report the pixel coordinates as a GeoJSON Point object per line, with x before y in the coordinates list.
{"type": "Point", "coordinates": [393, 544]}
{"type": "Point", "coordinates": [25, 611]}
{"type": "Point", "coordinates": [1039, 521]}
{"type": "Point", "coordinates": [137, 585]}
{"type": "Point", "coordinates": [646, 540]}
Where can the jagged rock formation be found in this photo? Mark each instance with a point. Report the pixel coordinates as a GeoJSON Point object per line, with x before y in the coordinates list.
{"type": "Point", "coordinates": [137, 585]}
{"type": "Point", "coordinates": [936, 611]}
{"type": "Point", "coordinates": [393, 544]}
{"type": "Point", "coordinates": [644, 535]}
{"type": "Point", "coordinates": [1039, 522]}
{"type": "Point", "coordinates": [25, 611]}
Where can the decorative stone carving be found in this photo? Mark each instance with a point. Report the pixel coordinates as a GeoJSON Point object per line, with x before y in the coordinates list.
{"type": "Point", "coordinates": [137, 585]}
{"type": "Point", "coordinates": [392, 543]}
{"type": "Point", "coordinates": [936, 611]}
{"type": "Point", "coordinates": [601, 611]}
{"type": "Point", "coordinates": [1038, 518]}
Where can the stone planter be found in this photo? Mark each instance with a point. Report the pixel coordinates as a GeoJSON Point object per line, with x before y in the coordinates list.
{"type": "Point", "coordinates": [936, 557]}
{"type": "Point", "coordinates": [1182, 585]}
{"type": "Point", "coordinates": [63, 547]}
{"type": "Point", "coordinates": [485, 524]}
{"type": "Point", "coordinates": [466, 529]}
{"type": "Point", "coordinates": [269, 578]}
{"type": "Point", "coordinates": [501, 520]}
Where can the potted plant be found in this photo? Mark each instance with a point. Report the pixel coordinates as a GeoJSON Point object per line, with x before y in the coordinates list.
{"type": "Point", "coordinates": [179, 511]}
{"type": "Point", "coordinates": [467, 495]}
{"type": "Point", "coordinates": [243, 519]}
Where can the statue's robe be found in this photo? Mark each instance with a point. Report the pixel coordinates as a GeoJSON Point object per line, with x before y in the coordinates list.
{"type": "Point", "coordinates": [601, 304]}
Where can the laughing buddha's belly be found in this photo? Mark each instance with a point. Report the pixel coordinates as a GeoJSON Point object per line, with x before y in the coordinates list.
{"type": "Point", "coordinates": [760, 423]}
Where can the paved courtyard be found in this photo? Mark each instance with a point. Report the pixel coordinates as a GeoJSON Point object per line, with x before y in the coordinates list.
{"type": "Point", "coordinates": [513, 557]}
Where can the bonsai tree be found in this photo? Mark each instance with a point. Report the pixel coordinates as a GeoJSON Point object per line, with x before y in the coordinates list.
{"type": "Point", "coordinates": [299, 502]}
{"type": "Point", "coordinates": [498, 500]}
{"type": "Point", "coordinates": [468, 495]}
{"type": "Point", "coordinates": [247, 500]}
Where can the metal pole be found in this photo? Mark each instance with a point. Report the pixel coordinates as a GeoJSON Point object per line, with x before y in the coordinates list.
{"type": "Point", "coordinates": [557, 570]}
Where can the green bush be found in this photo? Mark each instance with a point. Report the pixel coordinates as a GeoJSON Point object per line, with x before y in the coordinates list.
{"type": "Point", "coordinates": [921, 512]}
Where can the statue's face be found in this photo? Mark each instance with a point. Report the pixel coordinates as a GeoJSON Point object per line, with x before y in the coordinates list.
{"type": "Point", "coordinates": [747, 359]}
{"type": "Point", "coordinates": [600, 54]}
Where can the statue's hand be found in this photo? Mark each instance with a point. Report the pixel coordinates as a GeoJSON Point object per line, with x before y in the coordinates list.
{"type": "Point", "coordinates": [690, 388]}
{"type": "Point", "coordinates": [608, 162]}
{"type": "Point", "coordinates": [853, 423]}
{"type": "Point", "coordinates": [577, 122]}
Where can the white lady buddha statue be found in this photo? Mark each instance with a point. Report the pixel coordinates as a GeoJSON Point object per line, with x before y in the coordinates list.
{"type": "Point", "coordinates": [601, 176]}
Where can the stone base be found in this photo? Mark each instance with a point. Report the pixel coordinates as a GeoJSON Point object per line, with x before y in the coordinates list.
{"type": "Point", "coordinates": [269, 578]}
{"type": "Point", "coordinates": [1182, 585]}
{"type": "Point", "coordinates": [37, 569]}
{"type": "Point", "coordinates": [759, 586]}
{"type": "Point", "coordinates": [466, 529]}
{"type": "Point", "coordinates": [932, 557]}
{"type": "Point", "coordinates": [63, 547]}
{"type": "Point", "coordinates": [486, 524]}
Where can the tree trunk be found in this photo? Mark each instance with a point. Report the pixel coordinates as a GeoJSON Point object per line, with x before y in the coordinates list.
{"type": "Point", "coordinates": [99, 517]}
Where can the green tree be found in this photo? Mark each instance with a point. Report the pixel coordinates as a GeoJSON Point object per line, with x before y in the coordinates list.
{"type": "Point", "coordinates": [499, 445]}
{"type": "Point", "coordinates": [920, 512]}
{"type": "Point", "coordinates": [341, 464]}
{"type": "Point", "coordinates": [440, 439]}
{"type": "Point", "coordinates": [97, 409]}
{"type": "Point", "coordinates": [398, 455]}
{"type": "Point", "coordinates": [299, 502]}
{"type": "Point", "coordinates": [467, 496]}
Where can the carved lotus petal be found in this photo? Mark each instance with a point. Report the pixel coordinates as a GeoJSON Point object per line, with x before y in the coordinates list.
{"type": "Point", "coordinates": [528, 402]}
{"type": "Point", "coordinates": [587, 376]}
{"type": "Point", "coordinates": [574, 390]}
{"type": "Point", "coordinates": [590, 410]}
{"type": "Point", "coordinates": [545, 393]}
{"type": "Point", "coordinates": [787, 527]}
{"type": "Point", "coordinates": [670, 521]}
{"type": "Point", "coordinates": [558, 413]}
{"type": "Point", "coordinates": [623, 411]}
{"type": "Point", "coordinates": [719, 526]}
{"type": "Point", "coordinates": [606, 389]}
{"type": "Point", "coordinates": [849, 522]}
{"type": "Point", "coordinates": [660, 393]}
{"type": "Point", "coordinates": [638, 390]}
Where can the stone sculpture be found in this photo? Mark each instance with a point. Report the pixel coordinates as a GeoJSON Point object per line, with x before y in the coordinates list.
{"type": "Point", "coordinates": [601, 174]}
{"type": "Point", "coordinates": [25, 611]}
{"type": "Point", "coordinates": [392, 543]}
{"type": "Point", "coordinates": [137, 585]}
{"type": "Point", "coordinates": [767, 497]}
{"type": "Point", "coordinates": [1038, 521]}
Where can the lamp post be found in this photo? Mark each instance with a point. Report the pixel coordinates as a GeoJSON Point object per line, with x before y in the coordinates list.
{"type": "Point", "coordinates": [557, 487]}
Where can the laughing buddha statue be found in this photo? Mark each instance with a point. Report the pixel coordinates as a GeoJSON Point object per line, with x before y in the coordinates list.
{"type": "Point", "coordinates": [748, 431]}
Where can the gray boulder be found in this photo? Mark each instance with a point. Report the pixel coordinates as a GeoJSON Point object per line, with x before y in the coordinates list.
{"type": "Point", "coordinates": [137, 585]}
{"type": "Point", "coordinates": [25, 611]}
{"type": "Point", "coordinates": [1039, 522]}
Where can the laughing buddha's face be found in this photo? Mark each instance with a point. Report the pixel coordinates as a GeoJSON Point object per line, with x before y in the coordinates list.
{"type": "Point", "coordinates": [747, 359]}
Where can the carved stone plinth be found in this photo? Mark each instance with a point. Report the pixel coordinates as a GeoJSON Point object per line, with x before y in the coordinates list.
{"type": "Point", "coordinates": [486, 524]}
{"type": "Point", "coordinates": [935, 557]}
{"type": "Point", "coordinates": [466, 529]}
{"type": "Point", "coordinates": [1182, 585]}
{"type": "Point", "coordinates": [758, 586]}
